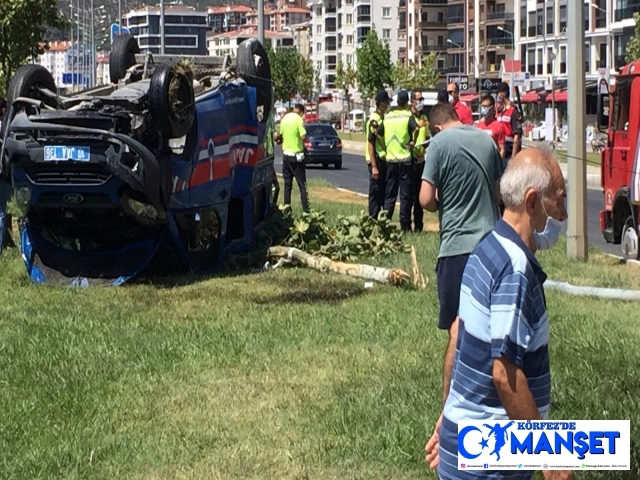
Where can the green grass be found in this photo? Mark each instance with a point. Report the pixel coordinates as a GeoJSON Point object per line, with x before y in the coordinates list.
{"type": "Point", "coordinates": [593, 159]}
{"type": "Point", "coordinates": [287, 374]}
{"type": "Point", "coordinates": [354, 137]}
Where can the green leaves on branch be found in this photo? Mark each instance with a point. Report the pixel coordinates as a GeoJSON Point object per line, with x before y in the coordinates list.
{"type": "Point", "coordinates": [633, 47]}
{"type": "Point", "coordinates": [374, 65]}
{"type": "Point", "coordinates": [351, 237]}
{"type": "Point", "coordinates": [412, 75]}
{"type": "Point", "coordinates": [291, 72]}
{"type": "Point", "coordinates": [22, 28]}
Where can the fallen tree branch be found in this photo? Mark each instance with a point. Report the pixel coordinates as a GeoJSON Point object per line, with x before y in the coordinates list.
{"type": "Point", "coordinates": [393, 276]}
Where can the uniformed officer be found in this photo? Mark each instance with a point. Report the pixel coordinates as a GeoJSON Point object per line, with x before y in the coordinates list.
{"type": "Point", "coordinates": [420, 135]}
{"type": "Point", "coordinates": [397, 130]}
{"type": "Point", "coordinates": [375, 156]}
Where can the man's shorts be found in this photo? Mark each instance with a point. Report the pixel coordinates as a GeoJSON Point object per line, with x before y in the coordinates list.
{"type": "Point", "coordinates": [449, 271]}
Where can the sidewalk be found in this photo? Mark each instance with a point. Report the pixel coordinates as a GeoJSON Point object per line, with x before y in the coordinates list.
{"type": "Point", "coordinates": [593, 173]}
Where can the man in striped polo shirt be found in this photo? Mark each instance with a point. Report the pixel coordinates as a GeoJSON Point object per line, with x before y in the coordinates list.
{"type": "Point", "coordinates": [501, 361]}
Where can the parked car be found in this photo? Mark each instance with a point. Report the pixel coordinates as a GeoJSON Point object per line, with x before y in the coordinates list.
{"type": "Point", "coordinates": [323, 145]}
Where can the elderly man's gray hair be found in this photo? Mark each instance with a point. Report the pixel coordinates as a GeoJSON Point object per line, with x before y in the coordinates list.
{"type": "Point", "coordinates": [518, 178]}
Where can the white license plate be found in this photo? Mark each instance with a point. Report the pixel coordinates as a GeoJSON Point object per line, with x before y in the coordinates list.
{"type": "Point", "coordinates": [324, 144]}
{"type": "Point", "coordinates": [60, 153]}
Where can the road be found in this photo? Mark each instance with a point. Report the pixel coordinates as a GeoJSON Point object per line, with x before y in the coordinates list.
{"type": "Point", "coordinates": [354, 176]}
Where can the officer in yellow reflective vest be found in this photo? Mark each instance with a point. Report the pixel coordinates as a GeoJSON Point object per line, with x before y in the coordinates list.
{"type": "Point", "coordinates": [397, 130]}
{"type": "Point", "coordinates": [420, 136]}
{"type": "Point", "coordinates": [375, 156]}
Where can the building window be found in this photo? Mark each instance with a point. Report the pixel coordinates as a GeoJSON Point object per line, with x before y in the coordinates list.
{"type": "Point", "coordinates": [386, 33]}
{"type": "Point", "coordinates": [349, 40]}
{"type": "Point", "coordinates": [531, 61]}
{"type": "Point", "coordinates": [587, 58]}
{"type": "Point", "coordinates": [587, 15]}
{"type": "Point", "coordinates": [563, 60]}
{"type": "Point", "coordinates": [319, 64]}
{"type": "Point", "coordinates": [540, 22]}
{"type": "Point", "coordinates": [603, 55]}
{"type": "Point", "coordinates": [318, 28]}
{"type": "Point", "coordinates": [531, 24]}
{"type": "Point", "coordinates": [563, 18]}
{"type": "Point", "coordinates": [601, 16]}
{"type": "Point", "coordinates": [386, 12]}
{"type": "Point", "coordinates": [349, 59]}
{"type": "Point", "coordinates": [523, 21]}
{"type": "Point", "coordinates": [550, 61]}
{"type": "Point", "coordinates": [349, 20]}
{"type": "Point", "coordinates": [318, 47]}
{"type": "Point", "coordinates": [523, 58]}
{"type": "Point", "coordinates": [539, 64]}
{"type": "Point", "coordinates": [550, 22]}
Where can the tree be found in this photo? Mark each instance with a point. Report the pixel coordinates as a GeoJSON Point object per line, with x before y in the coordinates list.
{"type": "Point", "coordinates": [305, 76]}
{"type": "Point", "coordinates": [374, 65]}
{"type": "Point", "coordinates": [345, 79]}
{"type": "Point", "coordinates": [411, 76]}
{"type": "Point", "coordinates": [317, 81]}
{"type": "Point", "coordinates": [23, 24]}
{"type": "Point", "coordinates": [633, 47]}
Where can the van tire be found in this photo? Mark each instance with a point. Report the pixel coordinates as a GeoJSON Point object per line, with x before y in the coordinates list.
{"type": "Point", "coordinates": [172, 120]}
{"type": "Point", "coordinates": [257, 76]}
{"type": "Point", "coordinates": [25, 83]}
{"type": "Point", "coordinates": [122, 56]}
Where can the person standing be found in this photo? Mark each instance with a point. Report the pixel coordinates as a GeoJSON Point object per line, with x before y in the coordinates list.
{"type": "Point", "coordinates": [509, 116]}
{"type": "Point", "coordinates": [5, 181]}
{"type": "Point", "coordinates": [460, 182]}
{"type": "Point", "coordinates": [503, 318]}
{"type": "Point", "coordinates": [420, 135]}
{"type": "Point", "coordinates": [375, 155]}
{"type": "Point", "coordinates": [397, 130]}
{"type": "Point", "coordinates": [490, 125]}
{"type": "Point", "coordinates": [293, 134]}
{"type": "Point", "coordinates": [464, 112]}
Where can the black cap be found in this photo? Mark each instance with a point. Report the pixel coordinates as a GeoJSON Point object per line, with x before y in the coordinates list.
{"type": "Point", "coordinates": [403, 97]}
{"type": "Point", "coordinates": [502, 87]}
{"type": "Point", "coordinates": [382, 96]}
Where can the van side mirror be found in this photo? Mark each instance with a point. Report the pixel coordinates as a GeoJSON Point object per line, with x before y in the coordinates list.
{"type": "Point", "coordinates": [603, 112]}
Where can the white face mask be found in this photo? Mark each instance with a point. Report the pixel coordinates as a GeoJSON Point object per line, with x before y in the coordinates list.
{"type": "Point", "coordinates": [419, 106]}
{"type": "Point", "coordinates": [450, 98]}
{"type": "Point", "coordinates": [551, 233]}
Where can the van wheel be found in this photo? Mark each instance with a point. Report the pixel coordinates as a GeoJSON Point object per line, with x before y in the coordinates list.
{"type": "Point", "coordinates": [253, 65]}
{"type": "Point", "coordinates": [26, 82]}
{"type": "Point", "coordinates": [171, 101]}
{"type": "Point", "coordinates": [122, 56]}
{"type": "Point", "coordinates": [629, 239]}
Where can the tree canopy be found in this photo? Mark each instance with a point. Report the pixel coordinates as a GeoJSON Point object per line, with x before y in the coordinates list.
{"type": "Point", "coordinates": [374, 65]}
{"type": "Point", "coordinates": [291, 72]}
{"type": "Point", "coordinates": [411, 76]}
{"type": "Point", "coordinates": [23, 24]}
{"type": "Point", "coordinates": [633, 47]}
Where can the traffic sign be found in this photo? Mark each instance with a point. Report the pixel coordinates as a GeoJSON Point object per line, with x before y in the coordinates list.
{"type": "Point", "coordinates": [461, 80]}
{"type": "Point", "coordinates": [521, 79]}
{"type": "Point", "coordinates": [114, 31]}
{"type": "Point", "coordinates": [72, 78]}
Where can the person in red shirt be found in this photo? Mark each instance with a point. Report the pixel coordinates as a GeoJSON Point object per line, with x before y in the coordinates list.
{"type": "Point", "coordinates": [464, 112]}
{"type": "Point", "coordinates": [489, 124]}
{"type": "Point", "coordinates": [508, 115]}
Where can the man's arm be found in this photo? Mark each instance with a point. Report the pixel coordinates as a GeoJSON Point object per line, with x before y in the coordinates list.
{"type": "Point", "coordinates": [517, 132]}
{"type": "Point", "coordinates": [430, 179]}
{"type": "Point", "coordinates": [501, 140]}
{"type": "Point", "coordinates": [302, 131]}
{"type": "Point", "coordinates": [371, 145]}
{"type": "Point", "coordinates": [428, 196]}
{"type": "Point", "coordinates": [449, 356]}
{"type": "Point", "coordinates": [513, 390]}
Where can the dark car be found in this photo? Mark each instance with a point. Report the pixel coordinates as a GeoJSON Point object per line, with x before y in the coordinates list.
{"type": "Point", "coordinates": [322, 145]}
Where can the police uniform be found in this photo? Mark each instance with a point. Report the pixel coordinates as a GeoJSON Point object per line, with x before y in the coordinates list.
{"type": "Point", "coordinates": [397, 130]}
{"type": "Point", "coordinates": [417, 157]}
{"type": "Point", "coordinates": [376, 186]}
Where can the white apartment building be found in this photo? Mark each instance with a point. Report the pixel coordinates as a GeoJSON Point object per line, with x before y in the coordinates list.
{"type": "Point", "coordinates": [337, 28]}
{"type": "Point", "coordinates": [59, 59]}
{"type": "Point", "coordinates": [221, 44]}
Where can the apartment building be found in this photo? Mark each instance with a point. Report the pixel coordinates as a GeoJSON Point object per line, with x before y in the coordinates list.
{"type": "Point", "coordinates": [425, 24]}
{"type": "Point", "coordinates": [495, 32]}
{"type": "Point", "coordinates": [226, 18]}
{"type": "Point", "coordinates": [185, 29]}
{"type": "Point", "coordinates": [220, 44]}
{"type": "Point", "coordinates": [66, 60]}
{"type": "Point", "coordinates": [621, 26]}
{"type": "Point", "coordinates": [280, 17]}
{"type": "Point", "coordinates": [338, 27]}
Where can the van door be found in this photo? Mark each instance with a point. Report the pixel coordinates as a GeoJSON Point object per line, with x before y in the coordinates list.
{"type": "Point", "coordinates": [619, 162]}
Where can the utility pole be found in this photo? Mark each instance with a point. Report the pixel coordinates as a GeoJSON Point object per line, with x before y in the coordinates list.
{"type": "Point", "coordinates": [119, 17]}
{"type": "Point", "coordinates": [576, 148]}
{"type": "Point", "coordinates": [78, 63]}
{"type": "Point", "coordinates": [476, 42]}
{"type": "Point", "coordinates": [93, 50]}
{"type": "Point", "coordinates": [261, 21]}
{"type": "Point", "coordinates": [71, 46]}
{"type": "Point", "coordinates": [161, 27]}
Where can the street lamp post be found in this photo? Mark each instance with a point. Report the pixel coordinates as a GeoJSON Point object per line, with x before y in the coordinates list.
{"type": "Point", "coordinates": [459, 63]}
{"type": "Point", "coordinates": [609, 63]}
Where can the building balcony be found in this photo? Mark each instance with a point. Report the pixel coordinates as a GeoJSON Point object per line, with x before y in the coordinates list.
{"type": "Point", "coordinates": [433, 25]}
{"type": "Point", "coordinates": [505, 41]}
{"type": "Point", "coordinates": [433, 48]}
{"type": "Point", "coordinates": [451, 69]}
{"type": "Point", "coordinates": [433, 3]}
{"type": "Point", "coordinates": [499, 17]}
{"type": "Point", "coordinates": [366, 19]}
{"type": "Point", "coordinates": [626, 12]}
{"type": "Point", "coordinates": [456, 20]}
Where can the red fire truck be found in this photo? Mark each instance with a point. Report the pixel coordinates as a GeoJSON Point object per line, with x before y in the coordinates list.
{"type": "Point", "coordinates": [619, 117]}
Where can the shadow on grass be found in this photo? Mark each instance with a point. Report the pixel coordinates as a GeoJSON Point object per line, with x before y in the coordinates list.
{"type": "Point", "coordinates": [324, 288]}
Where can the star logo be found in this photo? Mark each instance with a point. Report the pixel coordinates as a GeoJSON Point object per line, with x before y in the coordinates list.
{"type": "Point", "coordinates": [484, 443]}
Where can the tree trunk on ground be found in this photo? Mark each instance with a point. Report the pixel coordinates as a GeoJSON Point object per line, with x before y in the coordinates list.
{"type": "Point", "coordinates": [393, 276]}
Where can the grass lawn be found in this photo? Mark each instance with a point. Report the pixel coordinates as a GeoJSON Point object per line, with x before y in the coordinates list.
{"type": "Point", "coordinates": [286, 374]}
{"type": "Point", "coordinates": [354, 137]}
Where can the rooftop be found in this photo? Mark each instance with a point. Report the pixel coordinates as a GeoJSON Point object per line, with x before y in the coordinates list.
{"type": "Point", "coordinates": [248, 32]}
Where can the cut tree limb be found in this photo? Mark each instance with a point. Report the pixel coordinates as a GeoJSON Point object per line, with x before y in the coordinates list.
{"type": "Point", "coordinates": [393, 276]}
